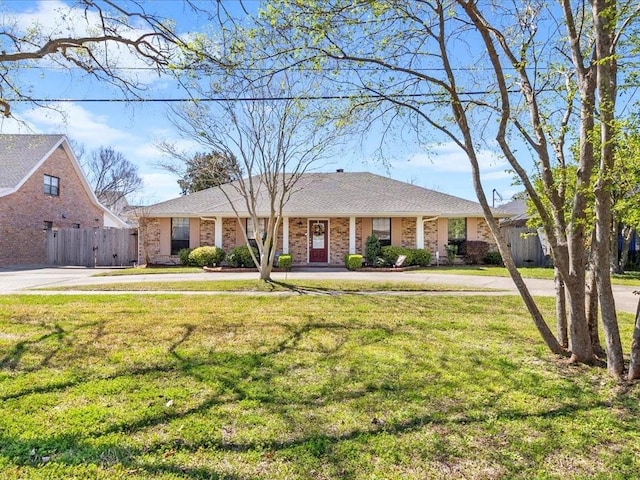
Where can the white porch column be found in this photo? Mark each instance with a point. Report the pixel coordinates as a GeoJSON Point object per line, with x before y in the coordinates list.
{"type": "Point", "coordinates": [419, 233]}
{"type": "Point", "coordinates": [352, 235]}
{"type": "Point", "coordinates": [218, 232]}
{"type": "Point", "coordinates": [285, 235]}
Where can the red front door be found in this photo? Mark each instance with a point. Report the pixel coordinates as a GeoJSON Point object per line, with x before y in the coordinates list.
{"type": "Point", "coordinates": [318, 241]}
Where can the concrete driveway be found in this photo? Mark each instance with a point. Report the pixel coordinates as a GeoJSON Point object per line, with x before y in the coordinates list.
{"type": "Point", "coordinates": [22, 279]}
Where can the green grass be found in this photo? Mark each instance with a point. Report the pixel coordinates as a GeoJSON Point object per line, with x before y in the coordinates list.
{"type": "Point", "coordinates": [149, 271]}
{"type": "Point", "coordinates": [627, 278]}
{"type": "Point", "coordinates": [300, 286]}
{"type": "Point", "coordinates": [299, 387]}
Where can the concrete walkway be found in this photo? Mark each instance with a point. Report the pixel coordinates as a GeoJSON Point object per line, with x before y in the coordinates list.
{"type": "Point", "coordinates": [21, 280]}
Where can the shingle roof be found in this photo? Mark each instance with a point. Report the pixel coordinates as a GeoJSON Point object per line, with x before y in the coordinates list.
{"type": "Point", "coordinates": [21, 154]}
{"type": "Point", "coordinates": [516, 210]}
{"type": "Point", "coordinates": [329, 194]}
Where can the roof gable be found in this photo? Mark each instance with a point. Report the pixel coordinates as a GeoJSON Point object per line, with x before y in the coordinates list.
{"type": "Point", "coordinates": [21, 155]}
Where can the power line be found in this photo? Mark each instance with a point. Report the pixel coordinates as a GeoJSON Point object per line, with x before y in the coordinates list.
{"type": "Point", "coordinates": [244, 99]}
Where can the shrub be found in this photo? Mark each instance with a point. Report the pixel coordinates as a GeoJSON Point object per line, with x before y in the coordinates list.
{"type": "Point", "coordinates": [372, 249]}
{"type": "Point", "coordinates": [285, 261]}
{"type": "Point", "coordinates": [421, 257]}
{"type": "Point", "coordinates": [452, 251]}
{"type": "Point", "coordinates": [352, 262]}
{"type": "Point", "coordinates": [475, 251]}
{"type": "Point", "coordinates": [391, 253]}
{"type": "Point", "coordinates": [183, 254]}
{"type": "Point", "coordinates": [492, 258]}
{"type": "Point", "coordinates": [206, 256]}
{"type": "Point", "coordinates": [240, 257]}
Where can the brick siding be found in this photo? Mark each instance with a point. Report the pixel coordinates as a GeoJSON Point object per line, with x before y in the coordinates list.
{"type": "Point", "coordinates": [338, 240]}
{"type": "Point", "coordinates": [23, 213]}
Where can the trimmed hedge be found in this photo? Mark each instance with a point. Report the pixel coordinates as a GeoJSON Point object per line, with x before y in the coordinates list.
{"type": "Point", "coordinates": [352, 262]}
{"type": "Point", "coordinates": [492, 258]}
{"type": "Point", "coordinates": [240, 257]}
{"type": "Point", "coordinates": [285, 261]}
{"type": "Point", "coordinates": [415, 256]}
{"type": "Point", "coordinates": [183, 254]}
{"type": "Point", "coordinates": [421, 257]}
{"type": "Point", "coordinates": [206, 256]}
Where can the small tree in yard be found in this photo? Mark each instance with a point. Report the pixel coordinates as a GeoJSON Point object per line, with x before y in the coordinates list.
{"type": "Point", "coordinates": [372, 250]}
{"type": "Point", "coordinates": [275, 137]}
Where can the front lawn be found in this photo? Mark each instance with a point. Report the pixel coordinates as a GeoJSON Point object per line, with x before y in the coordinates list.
{"type": "Point", "coordinates": [295, 286]}
{"type": "Point", "coordinates": [300, 387]}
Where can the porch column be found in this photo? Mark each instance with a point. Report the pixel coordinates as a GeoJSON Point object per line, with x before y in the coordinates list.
{"type": "Point", "coordinates": [285, 235]}
{"type": "Point", "coordinates": [218, 232]}
{"type": "Point", "coordinates": [419, 232]}
{"type": "Point", "coordinates": [352, 235]}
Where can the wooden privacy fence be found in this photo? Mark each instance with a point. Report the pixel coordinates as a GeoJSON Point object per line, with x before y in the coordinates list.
{"type": "Point", "coordinates": [525, 246]}
{"type": "Point", "coordinates": [92, 247]}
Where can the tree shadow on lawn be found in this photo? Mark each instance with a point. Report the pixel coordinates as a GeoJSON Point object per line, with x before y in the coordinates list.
{"type": "Point", "coordinates": [254, 377]}
{"type": "Point", "coordinates": [12, 358]}
{"type": "Point", "coordinates": [303, 290]}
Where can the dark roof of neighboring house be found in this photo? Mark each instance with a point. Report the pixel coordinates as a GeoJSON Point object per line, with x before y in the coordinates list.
{"type": "Point", "coordinates": [20, 155]}
{"type": "Point", "coordinates": [516, 210]}
{"type": "Point", "coordinates": [329, 194]}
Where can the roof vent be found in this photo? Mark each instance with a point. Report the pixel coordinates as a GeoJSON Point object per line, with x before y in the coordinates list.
{"type": "Point", "coordinates": [340, 170]}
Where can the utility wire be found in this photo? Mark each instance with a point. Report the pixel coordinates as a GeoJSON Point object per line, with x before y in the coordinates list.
{"type": "Point", "coordinates": [243, 99]}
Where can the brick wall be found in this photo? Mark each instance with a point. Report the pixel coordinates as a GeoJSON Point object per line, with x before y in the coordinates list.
{"type": "Point", "coordinates": [298, 240]}
{"type": "Point", "coordinates": [431, 237]}
{"type": "Point", "coordinates": [23, 213]}
{"type": "Point", "coordinates": [207, 233]}
{"type": "Point", "coordinates": [149, 240]}
{"type": "Point", "coordinates": [485, 234]}
{"type": "Point", "coordinates": [408, 238]}
{"type": "Point", "coordinates": [338, 240]}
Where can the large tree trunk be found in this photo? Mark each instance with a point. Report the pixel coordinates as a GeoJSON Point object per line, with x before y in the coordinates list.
{"type": "Point", "coordinates": [627, 235]}
{"type": "Point", "coordinates": [634, 364]}
{"type": "Point", "coordinates": [603, 12]}
{"type": "Point", "coordinates": [592, 312]}
{"type": "Point", "coordinates": [561, 310]}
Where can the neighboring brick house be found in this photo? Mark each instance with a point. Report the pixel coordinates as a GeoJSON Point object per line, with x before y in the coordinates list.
{"type": "Point", "coordinates": [327, 216]}
{"type": "Point", "coordinates": [42, 187]}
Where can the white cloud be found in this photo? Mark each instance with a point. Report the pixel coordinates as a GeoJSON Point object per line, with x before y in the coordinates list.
{"type": "Point", "coordinates": [449, 157]}
{"type": "Point", "coordinates": [17, 124]}
{"type": "Point", "coordinates": [159, 187]}
{"type": "Point", "coordinates": [79, 124]}
{"type": "Point", "coordinates": [54, 18]}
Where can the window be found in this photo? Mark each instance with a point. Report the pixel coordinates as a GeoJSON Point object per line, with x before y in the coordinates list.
{"type": "Point", "coordinates": [251, 234]}
{"type": "Point", "coordinates": [382, 230]}
{"type": "Point", "coordinates": [179, 234]}
{"type": "Point", "coordinates": [48, 225]}
{"type": "Point", "coordinates": [75, 225]}
{"type": "Point", "coordinates": [51, 185]}
{"type": "Point", "coordinates": [457, 232]}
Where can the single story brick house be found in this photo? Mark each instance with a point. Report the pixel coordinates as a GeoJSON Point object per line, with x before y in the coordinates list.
{"type": "Point", "coordinates": [327, 216]}
{"type": "Point", "coordinates": [42, 187]}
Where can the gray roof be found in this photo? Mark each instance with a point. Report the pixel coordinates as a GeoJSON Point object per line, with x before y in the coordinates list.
{"type": "Point", "coordinates": [516, 210]}
{"type": "Point", "coordinates": [20, 155]}
{"type": "Point", "coordinates": [329, 194]}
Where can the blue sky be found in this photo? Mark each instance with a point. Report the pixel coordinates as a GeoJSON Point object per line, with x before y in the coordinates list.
{"type": "Point", "coordinates": [136, 129]}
